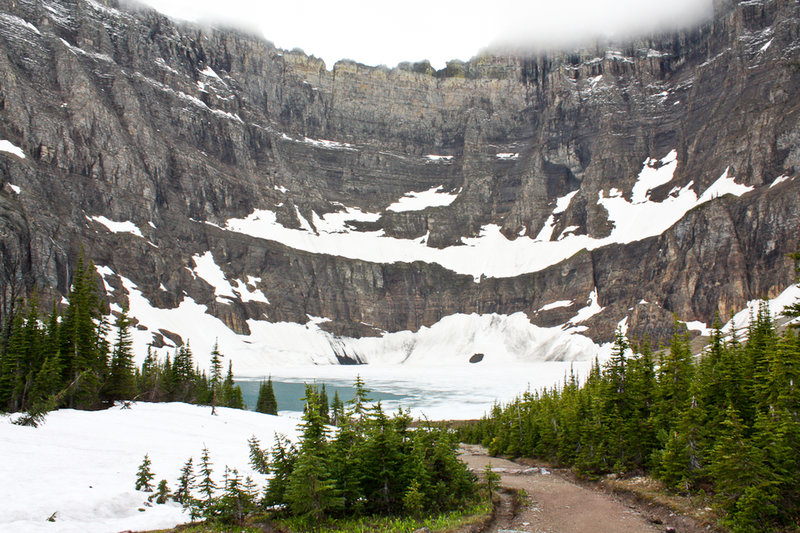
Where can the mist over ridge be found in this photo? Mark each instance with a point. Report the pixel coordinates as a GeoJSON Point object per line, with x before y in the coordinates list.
{"type": "Point", "coordinates": [391, 33]}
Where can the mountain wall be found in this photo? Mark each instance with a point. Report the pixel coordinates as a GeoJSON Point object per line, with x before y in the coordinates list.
{"type": "Point", "coordinates": [646, 179]}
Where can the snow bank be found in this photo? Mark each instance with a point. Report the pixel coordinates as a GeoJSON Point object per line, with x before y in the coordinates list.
{"type": "Point", "coordinates": [741, 320]}
{"type": "Point", "coordinates": [82, 465]}
{"type": "Point", "coordinates": [504, 339]}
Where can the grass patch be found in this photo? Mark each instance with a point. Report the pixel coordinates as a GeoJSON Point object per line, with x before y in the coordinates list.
{"type": "Point", "coordinates": [443, 523]}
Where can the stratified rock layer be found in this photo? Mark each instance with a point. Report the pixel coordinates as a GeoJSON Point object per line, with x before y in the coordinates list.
{"type": "Point", "coordinates": [126, 114]}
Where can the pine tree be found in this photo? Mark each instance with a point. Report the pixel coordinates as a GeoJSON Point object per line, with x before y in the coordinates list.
{"type": "Point", "coordinates": [381, 459]}
{"type": "Point", "coordinates": [737, 469]}
{"type": "Point", "coordinates": [324, 409]}
{"type": "Point", "coordinates": [266, 402]}
{"type": "Point", "coordinates": [183, 494]}
{"type": "Point", "coordinates": [206, 485]}
{"type": "Point", "coordinates": [311, 489]}
{"type": "Point", "coordinates": [216, 376]}
{"type": "Point", "coordinates": [144, 476]}
{"type": "Point", "coordinates": [491, 478]}
{"type": "Point", "coordinates": [357, 407]}
{"type": "Point", "coordinates": [231, 393]}
{"type": "Point", "coordinates": [347, 464]}
{"type": "Point", "coordinates": [259, 459]}
{"type": "Point", "coordinates": [82, 335]}
{"type": "Point", "coordinates": [674, 378]}
{"type": "Point", "coordinates": [48, 380]}
{"type": "Point", "coordinates": [284, 456]}
{"type": "Point", "coordinates": [337, 409]}
{"type": "Point", "coordinates": [162, 492]}
{"type": "Point", "coordinates": [121, 383]}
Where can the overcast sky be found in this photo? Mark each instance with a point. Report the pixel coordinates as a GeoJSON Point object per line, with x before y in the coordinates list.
{"type": "Point", "coordinates": [387, 32]}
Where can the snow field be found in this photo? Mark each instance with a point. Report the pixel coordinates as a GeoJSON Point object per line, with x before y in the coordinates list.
{"type": "Point", "coordinates": [491, 254]}
{"type": "Point", "coordinates": [82, 465]}
{"type": "Point", "coordinates": [503, 339]}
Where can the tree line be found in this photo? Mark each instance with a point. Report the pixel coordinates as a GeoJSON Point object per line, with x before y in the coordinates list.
{"type": "Point", "coordinates": [373, 465]}
{"type": "Point", "coordinates": [726, 422]}
{"type": "Point", "coordinates": [69, 358]}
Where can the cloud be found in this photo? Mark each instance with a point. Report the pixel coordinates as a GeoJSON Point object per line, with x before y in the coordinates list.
{"type": "Point", "coordinates": [545, 23]}
{"type": "Point", "coordinates": [390, 32]}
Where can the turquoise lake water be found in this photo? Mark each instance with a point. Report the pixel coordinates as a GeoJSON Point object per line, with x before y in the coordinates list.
{"type": "Point", "coordinates": [289, 394]}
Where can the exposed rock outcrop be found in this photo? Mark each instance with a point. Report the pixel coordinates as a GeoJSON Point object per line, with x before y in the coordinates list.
{"type": "Point", "coordinates": [127, 115]}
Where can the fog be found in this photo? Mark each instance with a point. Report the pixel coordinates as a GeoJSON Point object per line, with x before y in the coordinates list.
{"type": "Point", "coordinates": [390, 32]}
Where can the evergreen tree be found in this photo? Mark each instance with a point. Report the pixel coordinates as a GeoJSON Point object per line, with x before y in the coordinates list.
{"type": "Point", "coordinates": [216, 376]}
{"type": "Point", "coordinates": [144, 476]}
{"type": "Point", "coordinates": [324, 409]}
{"type": "Point", "coordinates": [337, 409]}
{"type": "Point", "coordinates": [266, 402]}
{"type": "Point", "coordinates": [183, 494]}
{"type": "Point", "coordinates": [162, 492]}
{"type": "Point", "coordinates": [83, 345]}
{"type": "Point", "coordinates": [737, 470]}
{"type": "Point", "coordinates": [357, 407]}
{"type": "Point", "coordinates": [47, 382]}
{"type": "Point", "coordinates": [206, 485]}
{"type": "Point", "coordinates": [284, 456]}
{"type": "Point", "coordinates": [121, 383]}
{"type": "Point", "coordinates": [311, 489]}
{"type": "Point", "coordinates": [491, 478]}
{"type": "Point", "coordinates": [231, 393]}
{"type": "Point", "coordinates": [381, 459]}
{"type": "Point", "coordinates": [674, 377]}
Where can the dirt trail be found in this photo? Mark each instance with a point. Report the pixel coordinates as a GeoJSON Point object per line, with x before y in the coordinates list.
{"type": "Point", "coordinates": [557, 505]}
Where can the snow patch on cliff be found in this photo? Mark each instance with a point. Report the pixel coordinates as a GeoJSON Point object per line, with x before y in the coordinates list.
{"type": "Point", "coordinates": [207, 269]}
{"type": "Point", "coordinates": [724, 185]}
{"type": "Point", "coordinates": [118, 227]}
{"type": "Point", "coordinates": [779, 180]}
{"type": "Point", "coordinates": [10, 148]}
{"type": "Point", "coordinates": [491, 253]}
{"type": "Point", "coordinates": [562, 203]}
{"type": "Point", "coordinates": [654, 174]}
{"type": "Point", "coordinates": [556, 305]}
{"type": "Point", "coordinates": [417, 201]}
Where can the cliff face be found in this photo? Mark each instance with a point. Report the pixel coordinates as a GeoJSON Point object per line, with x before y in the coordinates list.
{"type": "Point", "coordinates": [126, 116]}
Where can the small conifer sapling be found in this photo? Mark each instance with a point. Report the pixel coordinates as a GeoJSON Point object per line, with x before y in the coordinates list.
{"type": "Point", "coordinates": [144, 476]}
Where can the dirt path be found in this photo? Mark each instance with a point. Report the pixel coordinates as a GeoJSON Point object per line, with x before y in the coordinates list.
{"type": "Point", "coordinates": [557, 505]}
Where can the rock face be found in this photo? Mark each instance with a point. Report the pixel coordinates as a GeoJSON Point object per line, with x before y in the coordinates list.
{"type": "Point", "coordinates": [127, 116]}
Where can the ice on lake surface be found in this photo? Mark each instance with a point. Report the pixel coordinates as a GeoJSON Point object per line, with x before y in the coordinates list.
{"type": "Point", "coordinates": [450, 392]}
